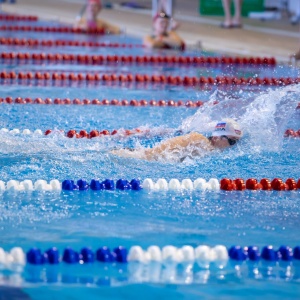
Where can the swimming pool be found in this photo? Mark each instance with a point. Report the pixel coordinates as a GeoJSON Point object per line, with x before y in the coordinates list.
{"type": "Point", "coordinates": [94, 219]}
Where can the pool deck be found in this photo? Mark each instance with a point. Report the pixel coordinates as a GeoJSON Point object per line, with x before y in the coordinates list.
{"type": "Point", "coordinates": [256, 38]}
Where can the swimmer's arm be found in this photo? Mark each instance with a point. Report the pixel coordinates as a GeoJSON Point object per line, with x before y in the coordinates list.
{"type": "Point", "coordinates": [173, 40]}
{"type": "Point", "coordinates": [81, 23]}
{"type": "Point", "coordinates": [192, 139]}
{"type": "Point", "coordinates": [128, 153]}
{"type": "Point", "coordinates": [109, 28]}
{"type": "Point", "coordinates": [151, 42]}
{"type": "Point", "coordinates": [174, 24]}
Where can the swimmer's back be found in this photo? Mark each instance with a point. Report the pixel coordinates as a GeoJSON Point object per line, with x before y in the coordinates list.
{"type": "Point", "coordinates": [190, 142]}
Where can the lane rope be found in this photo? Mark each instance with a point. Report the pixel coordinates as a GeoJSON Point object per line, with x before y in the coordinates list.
{"type": "Point", "coordinates": [104, 102]}
{"type": "Point", "coordinates": [203, 255]}
{"type": "Point", "coordinates": [26, 77]}
{"type": "Point", "coordinates": [62, 43]}
{"type": "Point", "coordinates": [72, 30]}
{"type": "Point", "coordinates": [18, 18]}
{"type": "Point", "coordinates": [161, 185]}
{"type": "Point", "coordinates": [104, 59]}
{"type": "Point", "coordinates": [124, 102]}
{"type": "Point", "coordinates": [94, 133]}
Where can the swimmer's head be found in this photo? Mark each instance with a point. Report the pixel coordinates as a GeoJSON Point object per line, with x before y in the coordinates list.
{"type": "Point", "coordinates": [93, 8]}
{"type": "Point", "coordinates": [161, 23]}
{"type": "Point", "coordinates": [226, 133]}
{"type": "Point", "coordinates": [94, 2]}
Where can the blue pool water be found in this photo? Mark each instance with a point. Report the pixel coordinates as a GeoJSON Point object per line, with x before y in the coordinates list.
{"type": "Point", "coordinates": [127, 218]}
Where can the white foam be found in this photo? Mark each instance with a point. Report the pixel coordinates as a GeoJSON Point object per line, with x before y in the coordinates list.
{"type": "Point", "coordinates": [4, 130]}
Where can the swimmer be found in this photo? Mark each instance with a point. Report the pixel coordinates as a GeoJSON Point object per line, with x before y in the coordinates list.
{"type": "Point", "coordinates": [167, 7]}
{"type": "Point", "coordinates": [162, 38]}
{"type": "Point", "coordinates": [91, 21]}
{"type": "Point", "coordinates": [295, 56]}
{"type": "Point", "coordinates": [226, 134]}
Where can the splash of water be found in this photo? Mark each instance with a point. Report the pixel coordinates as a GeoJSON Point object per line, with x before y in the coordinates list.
{"type": "Point", "coordinates": [263, 118]}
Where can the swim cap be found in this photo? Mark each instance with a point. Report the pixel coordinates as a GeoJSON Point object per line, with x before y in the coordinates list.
{"type": "Point", "coordinates": [162, 15]}
{"type": "Point", "coordinates": [94, 2]}
{"type": "Point", "coordinates": [228, 127]}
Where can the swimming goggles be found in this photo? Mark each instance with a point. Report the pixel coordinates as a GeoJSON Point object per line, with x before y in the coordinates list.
{"type": "Point", "coordinates": [231, 142]}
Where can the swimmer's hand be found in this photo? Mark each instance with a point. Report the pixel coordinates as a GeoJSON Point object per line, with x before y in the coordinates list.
{"type": "Point", "coordinates": [127, 153]}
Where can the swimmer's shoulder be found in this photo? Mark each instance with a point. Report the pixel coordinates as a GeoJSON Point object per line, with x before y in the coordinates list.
{"type": "Point", "coordinates": [196, 136]}
{"type": "Point", "coordinates": [80, 23]}
{"type": "Point", "coordinates": [101, 23]}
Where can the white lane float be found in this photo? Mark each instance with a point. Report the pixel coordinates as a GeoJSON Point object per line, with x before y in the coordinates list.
{"type": "Point", "coordinates": [28, 185]}
{"type": "Point", "coordinates": [16, 256]}
{"type": "Point", "coordinates": [203, 255]}
{"type": "Point", "coordinates": [186, 184]}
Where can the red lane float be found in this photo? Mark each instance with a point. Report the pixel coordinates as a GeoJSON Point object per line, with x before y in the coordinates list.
{"type": "Point", "coordinates": [97, 133]}
{"type": "Point", "coordinates": [291, 132]}
{"type": "Point", "coordinates": [62, 43]}
{"type": "Point", "coordinates": [101, 59]}
{"type": "Point", "coordinates": [276, 184]}
{"type": "Point", "coordinates": [144, 78]}
{"type": "Point", "coordinates": [18, 18]}
{"type": "Point", "coordinates": [51, 29]}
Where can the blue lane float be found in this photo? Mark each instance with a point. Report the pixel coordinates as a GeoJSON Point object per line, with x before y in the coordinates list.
{"type": "Point", "coordinates": [97, 185]}
{"type": "Point", "coordinates": [70, 256]}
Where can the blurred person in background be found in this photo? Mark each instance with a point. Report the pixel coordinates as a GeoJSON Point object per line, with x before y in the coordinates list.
{"type": "Point", "coordinates": [232, 21]}
{"type": "Point", "coordinates": [162, 37]}
{"type": "Point", "coordinates": [167, 7]}
{"type": "Point", "coordinates": [295, 56]}
{"type": "Point", "coordinates": [92, 22]}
